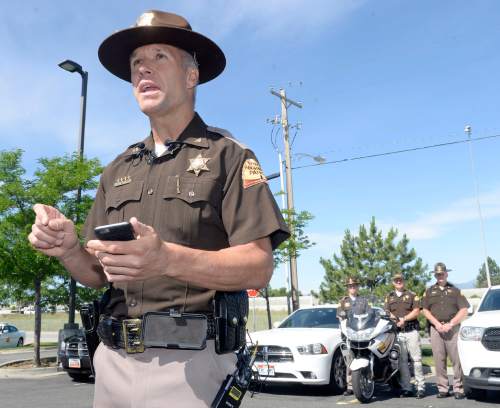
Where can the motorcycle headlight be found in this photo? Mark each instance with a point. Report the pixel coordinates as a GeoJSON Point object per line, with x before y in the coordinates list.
{"type": "Point", "coordinates": [361, 335]}
{"type": "Point", "coordinates": [470, 333]}
{"type": "Point", "coordinates": [316, 348]}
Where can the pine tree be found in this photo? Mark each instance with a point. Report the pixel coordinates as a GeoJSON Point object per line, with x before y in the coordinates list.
{"type": "Point", "coordinates": [481, 281]}
{"type": "Point", "coordinates": [374, 259]}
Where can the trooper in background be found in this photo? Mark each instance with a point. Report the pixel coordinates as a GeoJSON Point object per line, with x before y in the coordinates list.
{"type": "Point", "coordinates": [445, 307]}
{"type": "Point", "coordinates": [403, 306]}
{"type": "Point", "coordinates": [345, 305]}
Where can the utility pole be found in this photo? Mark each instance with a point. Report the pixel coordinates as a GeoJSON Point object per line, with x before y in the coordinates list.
{"type": "Point", "coordinates": [285, 102]}
{"type": "Point", "coordinates": [468, 131]}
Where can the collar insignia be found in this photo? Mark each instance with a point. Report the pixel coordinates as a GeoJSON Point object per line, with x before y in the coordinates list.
{"type": "Point", "coordinates": [198, 164]}
{"type": "Point", "coordinates": [122, 181]}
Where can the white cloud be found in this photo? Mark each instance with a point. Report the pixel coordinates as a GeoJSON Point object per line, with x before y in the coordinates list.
{"type": "Point", "coordinates": [326, 244]}
{"type": "Point", "coordinates": [267, 18]}
{"type": "Point", "coordinates": [434, 224]}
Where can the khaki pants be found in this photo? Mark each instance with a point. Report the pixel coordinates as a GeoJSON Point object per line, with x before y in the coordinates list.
{"type": "Point", "coordinates": [159, 378]}
{"type": "Point", "coordinates": [410, 343]}
{"type": "Point", "coordinates": [445, 344]}
{"type": "Point", "coordinates": [348, 372]}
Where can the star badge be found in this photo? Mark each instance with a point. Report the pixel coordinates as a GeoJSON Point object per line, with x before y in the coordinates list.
{"type": "Point", "coordinates": [198, 164]}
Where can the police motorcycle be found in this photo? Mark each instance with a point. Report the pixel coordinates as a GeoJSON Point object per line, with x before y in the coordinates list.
{"type": "Point", "coordinates": [370, 349]}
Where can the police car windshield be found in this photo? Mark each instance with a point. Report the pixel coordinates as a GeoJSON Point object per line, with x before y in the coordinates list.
{"type": "Point", "coordinates": [491, 301]}
{"type": "Point", "coordinates": [321, 317]}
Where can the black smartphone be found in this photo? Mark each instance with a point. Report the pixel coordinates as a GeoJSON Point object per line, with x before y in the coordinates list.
{"type": "Point", "coordinates": [121, 231]}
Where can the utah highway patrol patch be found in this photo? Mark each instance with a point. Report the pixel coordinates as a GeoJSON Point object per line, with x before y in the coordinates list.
{"type": "Point", "coordinates": [252, 174]}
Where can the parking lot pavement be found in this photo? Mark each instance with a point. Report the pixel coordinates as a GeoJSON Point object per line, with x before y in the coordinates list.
{"type": "Point", "coordinates": [300, 396]}
{"type": "Point", "coordinates": [61, 391]}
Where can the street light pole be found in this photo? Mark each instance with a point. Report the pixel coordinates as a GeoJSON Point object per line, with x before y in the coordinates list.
{"type": "Point", "coordinates": [72, 66]}
{"type": "Point", "coordinates": [468, 130]}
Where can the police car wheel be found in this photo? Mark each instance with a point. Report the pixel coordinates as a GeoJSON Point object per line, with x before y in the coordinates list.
{"type": "Point", "coordinates": [338, 373]}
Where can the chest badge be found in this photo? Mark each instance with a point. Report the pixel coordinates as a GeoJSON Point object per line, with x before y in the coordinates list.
{"type": "Point", "coordinates": [347, 304]}
{"type": "Point", "coordinates": [198, 164]}
{"type": "Point", "coordinates": [122, 181]}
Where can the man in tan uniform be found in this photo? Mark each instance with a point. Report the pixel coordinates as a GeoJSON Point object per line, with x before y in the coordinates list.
{"type": "Point", "coordinates": [403, 306]}
{"type": "Point", "coordinates": [445, 307]}
{"type": "Point", "coordinates": [345, 305]}
{"type": "Point", "coordinates": [202, 212]}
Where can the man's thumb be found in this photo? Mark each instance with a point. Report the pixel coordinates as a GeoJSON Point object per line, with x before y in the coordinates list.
{"type": "Point", "coordinates": [141, 230]}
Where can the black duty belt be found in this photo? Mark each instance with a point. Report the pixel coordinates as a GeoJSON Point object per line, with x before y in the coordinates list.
{"type": "Point", "coordinates": [409, 326]}
{"type": "Point", "coordinates": [157, 329]}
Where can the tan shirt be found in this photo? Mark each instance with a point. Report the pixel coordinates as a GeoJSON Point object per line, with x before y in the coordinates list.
{"type": "Point", "coordinates": [444, 304]}
{"type": "Point", "coordinates": [206, 191]}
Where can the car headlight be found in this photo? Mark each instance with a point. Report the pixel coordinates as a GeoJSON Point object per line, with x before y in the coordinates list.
{"type": "Point", "coordinates": [360, 335]}
{"type": "Point", "coordinates": [316, 348]}
{"type": "Point", "coordinates": [470, 333]}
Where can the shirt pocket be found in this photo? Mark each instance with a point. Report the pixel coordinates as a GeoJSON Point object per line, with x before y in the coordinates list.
{"type": "Point", "coordinates": [123, 202]}
{"type": "Point", "coordinates": [192, 212]}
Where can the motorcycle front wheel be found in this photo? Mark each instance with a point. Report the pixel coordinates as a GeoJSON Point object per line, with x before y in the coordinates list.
{"type": "Point", "coordinates": [363, 385]}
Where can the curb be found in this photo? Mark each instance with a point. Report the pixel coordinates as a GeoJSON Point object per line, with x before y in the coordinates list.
{"type": "Point", "coordinates": [29, 372]}
{"type": "Point", "coordinates": [7, 372]}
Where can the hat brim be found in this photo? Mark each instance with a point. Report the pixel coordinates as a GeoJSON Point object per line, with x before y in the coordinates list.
{"type": "Point", "coordinates": [115, 51]}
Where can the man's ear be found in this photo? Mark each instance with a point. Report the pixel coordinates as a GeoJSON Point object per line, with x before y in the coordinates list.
{"type": "Point", "coordinates": [192, 78]}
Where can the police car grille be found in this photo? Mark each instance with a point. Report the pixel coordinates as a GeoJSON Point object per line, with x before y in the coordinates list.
{"type": "Point", "coordinates": [274, 354]}
{"type": "Point", "coordinates": [491, 339]}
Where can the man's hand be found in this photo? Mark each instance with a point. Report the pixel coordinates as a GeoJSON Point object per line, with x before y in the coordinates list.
{"type": "Point", "coordinates": [52, 233]}
{"type": "Point", "coordinates": [139, 259]}
{"type": "Point", "coordinates": [400, 322]}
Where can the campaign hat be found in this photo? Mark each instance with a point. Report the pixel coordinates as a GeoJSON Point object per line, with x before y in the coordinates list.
{"type": "Point", "coordinates": [160, 27]}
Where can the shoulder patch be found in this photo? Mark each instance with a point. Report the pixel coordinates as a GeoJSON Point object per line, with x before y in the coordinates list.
{"type": "Point", "coordinates": [227, 134]}
{"type": "Point", "coordinates": [252, 174]}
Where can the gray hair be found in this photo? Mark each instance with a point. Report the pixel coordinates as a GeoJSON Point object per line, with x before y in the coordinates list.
{"type": "Point", "coordinates": [189, 62]}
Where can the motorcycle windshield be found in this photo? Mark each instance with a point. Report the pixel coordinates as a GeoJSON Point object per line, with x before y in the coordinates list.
{"type": "Point", "coordinates": [362, 316]}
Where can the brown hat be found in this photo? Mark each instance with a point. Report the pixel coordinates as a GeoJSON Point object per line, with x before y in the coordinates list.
{"type": "Point", "coordinates": [352, 280]}
{"type": "Point", "coordinates": [440, 267]}
{"type": "Point", "coordinates": [159, 27]}
{"type": "Point", "coordinates": [397, 276]}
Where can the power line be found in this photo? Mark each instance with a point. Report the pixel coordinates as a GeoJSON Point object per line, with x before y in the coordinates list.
{"type": "Point", "coordinates": [413, 149]}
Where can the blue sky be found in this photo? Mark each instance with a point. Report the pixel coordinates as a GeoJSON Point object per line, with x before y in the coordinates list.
{"type": "Point", "coordinates": [373, 77]}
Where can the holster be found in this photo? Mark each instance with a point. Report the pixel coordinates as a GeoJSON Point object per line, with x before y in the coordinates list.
{"type": "Point", "coordinates": [230, 315]}
{"type": "Point", "coordinates": [90, 313]}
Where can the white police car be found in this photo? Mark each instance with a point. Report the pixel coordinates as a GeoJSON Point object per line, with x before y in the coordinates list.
{"type": "Point", "coordinates": [479, 346]}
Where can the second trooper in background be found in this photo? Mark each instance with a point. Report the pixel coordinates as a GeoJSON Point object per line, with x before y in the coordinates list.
{"type": "Point", "coordinates": [403, 306]}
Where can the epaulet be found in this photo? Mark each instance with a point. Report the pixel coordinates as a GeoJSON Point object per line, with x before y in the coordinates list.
{"type": "Point", "coordinates": [227, 134]}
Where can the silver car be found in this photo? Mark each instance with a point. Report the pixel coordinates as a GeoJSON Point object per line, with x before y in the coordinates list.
{"type": "Point", "coordinates": [10, 336]}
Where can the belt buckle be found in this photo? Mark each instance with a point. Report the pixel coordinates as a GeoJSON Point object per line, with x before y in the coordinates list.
{"type": "Point", "coordinates": [132, 336]}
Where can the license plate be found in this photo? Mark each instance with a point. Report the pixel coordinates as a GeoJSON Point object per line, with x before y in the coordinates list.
{"type": "Point", "coordinates": [74, 363]}
{"type": "Point", "coordinates": [265, 370]}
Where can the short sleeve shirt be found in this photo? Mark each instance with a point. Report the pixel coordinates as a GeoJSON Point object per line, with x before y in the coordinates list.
{"type": "Point", "coordinates": [346, 304]}
{"type": "Point", "coordinates": [445, 303]}
{"type": "Point", "coordinates": [207, 191]}
{"type": "Point", "coordinates": [400, 306]}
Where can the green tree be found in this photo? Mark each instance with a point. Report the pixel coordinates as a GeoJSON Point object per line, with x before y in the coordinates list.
{"type": "Point", "coordinates": [298, 241]}
{"type": "Point", "coordinates": [374, 259]}
{"type": "Point", "coordinates": [481, 281]}
{"type": "Point", "coordinates": [54, 183]}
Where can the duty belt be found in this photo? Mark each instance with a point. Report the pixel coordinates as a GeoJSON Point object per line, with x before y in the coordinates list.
{"type": "Point", "coordinates": [132, 334]}
{"type": "Point", "coordinates": [409, 326]}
